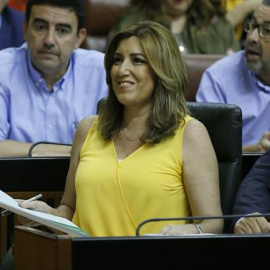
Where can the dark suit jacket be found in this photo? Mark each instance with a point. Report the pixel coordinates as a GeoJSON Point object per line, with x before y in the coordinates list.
{"type": "Point", "coordinates": [254, 192]}
{"type": "Point", "coordinates": [11, 31]}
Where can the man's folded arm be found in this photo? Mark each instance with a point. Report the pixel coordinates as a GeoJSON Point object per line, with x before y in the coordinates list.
{"type": "Point", "coordinates": [10, 148]}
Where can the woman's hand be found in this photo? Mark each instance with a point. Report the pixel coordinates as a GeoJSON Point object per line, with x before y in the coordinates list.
{"type": "Point", "coordinates": [179, 229]}
{"type": "Point", "coordinates": [37, 206]}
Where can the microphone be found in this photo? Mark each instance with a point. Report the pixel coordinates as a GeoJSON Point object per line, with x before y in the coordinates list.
{"type": "Point", "coordinates": [197, 217]}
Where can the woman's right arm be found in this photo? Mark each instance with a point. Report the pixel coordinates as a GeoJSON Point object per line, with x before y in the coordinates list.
{"type": "Point", "coordinates": [68, 202]}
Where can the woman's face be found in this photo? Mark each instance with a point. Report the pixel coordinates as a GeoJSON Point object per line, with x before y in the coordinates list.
{"type": "Point", "coordinates": [177, 7]}
{"type": "Point", "coordinates": [132, 77]}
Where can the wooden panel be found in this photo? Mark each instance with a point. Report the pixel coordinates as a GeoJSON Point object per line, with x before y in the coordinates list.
{"type": "Point", "coordinates": [3, 238]}
{"type": "Point", "coordinates": [23, 178]}
{"type": "Point", "coordinates": [160, 252]}
{"type": "Point", "coordinates": [51, 198]}
{"type": "Point", "coordinates": [41, 250]}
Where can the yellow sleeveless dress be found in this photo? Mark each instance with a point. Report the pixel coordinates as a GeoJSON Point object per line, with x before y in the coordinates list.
{"type": "Point", "coordinates": [114, 197]}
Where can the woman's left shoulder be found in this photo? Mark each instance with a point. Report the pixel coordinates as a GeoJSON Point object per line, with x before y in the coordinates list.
{"type": "Point", "coordinates": [196, 136]}
{"type": "Point", "coordinates": [194, 127]}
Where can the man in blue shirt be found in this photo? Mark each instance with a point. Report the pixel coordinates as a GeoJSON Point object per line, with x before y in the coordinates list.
{"type": "Point", "coordinates": [48, 84]}
{"type": "Point", "coordinates": [243, 78]}
{"type": "Point", "coordinates": [11, 26]}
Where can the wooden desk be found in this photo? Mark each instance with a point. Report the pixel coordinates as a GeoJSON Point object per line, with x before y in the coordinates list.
{"type": "Point", "coordinates": [34, 249]}
{"type": "Point", "coordinates": [24, 178]}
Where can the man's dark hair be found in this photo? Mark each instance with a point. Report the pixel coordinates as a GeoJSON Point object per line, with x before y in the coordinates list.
{"type": "Point", "coordinates": [75, 5]}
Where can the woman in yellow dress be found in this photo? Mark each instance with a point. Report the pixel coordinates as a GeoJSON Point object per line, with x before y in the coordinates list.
{"type": "Point", "coordinates": [143, 156]}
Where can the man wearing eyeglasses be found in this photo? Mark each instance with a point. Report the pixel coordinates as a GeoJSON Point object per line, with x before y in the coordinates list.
{"type": "Point", "coordinates": [243, 78]}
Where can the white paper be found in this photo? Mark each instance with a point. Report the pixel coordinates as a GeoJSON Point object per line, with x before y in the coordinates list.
{"type": "Point", "coordinates": [53, 221]}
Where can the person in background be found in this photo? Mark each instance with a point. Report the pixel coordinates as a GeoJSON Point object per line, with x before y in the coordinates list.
{"type": "Point", "coordinates": [18, 4]}
{"type": "Point", "coordinates": [144, 123]}
{"type": "Point", "coordinates": [253, 198]}
{"type": "Point", "coordinates": [48, 84]}
{"type": "Point", "coordinates": [11, 26]}
{"type": "Point", "coordinates": [198, 26]}
{"type": "Point", "coordinates": [237, 11]}
{"type": "Point", "coordinates": [244, 79]}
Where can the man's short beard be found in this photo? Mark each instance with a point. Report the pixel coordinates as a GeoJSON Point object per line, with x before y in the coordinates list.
{"type": "Point", "coordinates": [256, 67]}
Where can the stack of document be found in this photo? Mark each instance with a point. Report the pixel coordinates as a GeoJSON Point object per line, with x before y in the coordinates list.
{"type": "Point", "coordinates": [55, 222]}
